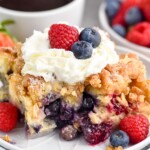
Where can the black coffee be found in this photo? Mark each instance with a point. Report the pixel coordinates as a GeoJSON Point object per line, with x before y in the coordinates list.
{"type": "Point", "coordinates": [33, 5]}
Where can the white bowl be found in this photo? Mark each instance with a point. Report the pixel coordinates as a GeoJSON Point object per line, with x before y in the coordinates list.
{"type": "Point", "coordinates": [120, 40]}
{"type": "Point", "coordinates": [26, 22]}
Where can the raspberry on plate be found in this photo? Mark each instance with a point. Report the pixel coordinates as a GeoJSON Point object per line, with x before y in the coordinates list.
{"type": "Point", "coordinates": [62, 36]}
{"type": "Point", "coordinates": [140, 34]}
{"type": "Point", "coordinates": [8, 116]}
{"type": "Point", "coordinates": [127, 4]}
{"type": "Point", "coordinates": [136, 126]}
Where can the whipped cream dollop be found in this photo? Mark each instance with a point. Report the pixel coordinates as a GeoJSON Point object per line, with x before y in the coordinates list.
{"type": "Point", "coordinates": [61, 65]}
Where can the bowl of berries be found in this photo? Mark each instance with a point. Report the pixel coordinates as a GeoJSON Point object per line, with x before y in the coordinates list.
{"type": "Point", "coordinates": [128, 23]}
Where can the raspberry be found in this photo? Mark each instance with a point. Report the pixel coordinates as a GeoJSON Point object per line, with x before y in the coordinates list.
{"type": "Point", "coordinates": [96, 133]}
{"type": "Point", "coordinates": [8, 116]}
{"type": "Point", "coordinates": [145, 6]}
{"type": "Point", "coordinates": [136, 126]}
{"type": "Point", "coordinates": [119, 18]}
{"type": "Point", "coordinates": [116, 107]}
{"type": "Point", "coordinates": [63, 36]}
{"type": "Point", "coordinates": [140, 34]}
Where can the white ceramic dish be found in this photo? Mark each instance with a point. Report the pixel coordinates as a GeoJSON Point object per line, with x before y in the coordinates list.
{"type": "Point", "coordinates": [52, 141]}
{"type": "Point", "coordinates": [26, 22]}
{"type": "Point", "coordinates": [120, 40]}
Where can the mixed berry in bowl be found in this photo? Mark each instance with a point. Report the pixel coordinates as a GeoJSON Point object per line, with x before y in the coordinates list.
{"type": "Point", "coordinates": [130, 19]}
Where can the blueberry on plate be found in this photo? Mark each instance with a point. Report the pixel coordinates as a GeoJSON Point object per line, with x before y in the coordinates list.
{"type": "Point", "coordinates": [133, 16]}
{"type": "Point", "coordinates": [112, 7]}
{"type": "Point", "coordinates": [68, 133]}
{"type": "Point", "coordinates": [119, 138]}
{"type": "Point", "coordinates": [119, 29]}
{"type": "Point", "coordinates": [90, 35]}
{"type": "Point", "coordinates": [82, 49]}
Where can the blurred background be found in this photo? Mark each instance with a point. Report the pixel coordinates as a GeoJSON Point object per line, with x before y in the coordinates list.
{"type": "Point", "coordinates": [90, 17]}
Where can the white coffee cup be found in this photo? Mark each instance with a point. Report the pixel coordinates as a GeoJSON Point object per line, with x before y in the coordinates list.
{"type": "Point", "coordinates": [26, 22]}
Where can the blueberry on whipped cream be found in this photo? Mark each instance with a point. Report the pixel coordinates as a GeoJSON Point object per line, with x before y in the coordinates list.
{"type": "Point", "coordinates": [45, 59]}
{"type": "Point", "coordinates": [90, 35]}
{"type": "Point", "coordinates": [82, 50]}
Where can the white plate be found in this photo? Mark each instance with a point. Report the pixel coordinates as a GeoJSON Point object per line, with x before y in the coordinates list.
{"type": "Point", "coordinates": [52, 141]}
{"type": "Point", "coordinates": [120, 40]}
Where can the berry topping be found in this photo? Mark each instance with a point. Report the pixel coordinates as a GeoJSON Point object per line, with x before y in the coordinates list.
{"type": "Point", "coordinates": [119, 138]}
{"type": "Point", "coordinates": [66, 112]}
{"type": "Point", "coordinates": [52, 109]}
{"type": "Point", "coordinates": [119, 29]}
{"type": "Point", "coordinates": [68, 133]}
{"type": "Point", "coordinates": [112, 8]}
{"type": "Point", "coordinates": [140, 34]}
{"type": "Point", "coordinates": [116, 107]}
{"type": "Point", "coordinates": [133, 16]}
{"type": "Point", "coordinates": [95, 133]}
{"type": "Point", "coordinates": [136, 126]}
{"type": "Point", "coordinates": [145, 6]}
{"type": "Point", "coordinates": [82, 50]}
{"type": "Point", "coordinates": [90, 35]}
{"type": "Point", "coordinates": [61, 123]}
{"type": "Point", "coordinates": [62, 36]}
{"type": "Point", "coordinates": [8, 116]}
{"type": "Point", "coordinates": [88, 102]}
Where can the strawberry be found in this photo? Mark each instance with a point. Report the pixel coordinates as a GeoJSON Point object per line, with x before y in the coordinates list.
{"type": "Point", "coordinates": [5, 39]}
{"type": "Point", "coordinates": [140, 34]}
{"type": "Point", "coordinates": [127, 4]}
{"type": "Point", "coordinates": [136, 126]}
{"type": "Point", "coordinates": [8, 116]}
{"type": "Point", "coordinates": [62, 36]}
{"type": "Point", "coordinates": [145, 6]}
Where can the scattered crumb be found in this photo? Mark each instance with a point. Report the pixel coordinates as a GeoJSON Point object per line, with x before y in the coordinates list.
{"type": "Point", "coordinates": [114, 148]}
{"type": "Point", "coordinates": [6, 138]}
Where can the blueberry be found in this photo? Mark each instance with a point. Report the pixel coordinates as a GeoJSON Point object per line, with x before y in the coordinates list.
{"type": "Point", "coordinates": [112, 8]}
{"type": "Point", "coordinates": [61, 123]}
{"type": "Point", "coordinates": [119, 138]}
{"type": "Point", "coordinates": [90, 35]}
{"type": "Point", "coordinates": [82, 50]}
{"type": "Point", "coordinates": [68, 133]}
{"type": "Point", "coordinates": [88, 102]}
{"type": "Point", "coordinates": [119, 29]}
{"type": "Point", "coordinates": [52, 109]}
{"type": "Point", "coordinates": [66, 112]}
{"type": "Point", "coordinates": [133, 16]}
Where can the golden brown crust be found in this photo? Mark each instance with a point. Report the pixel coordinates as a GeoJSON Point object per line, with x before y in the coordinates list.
{"type": "Point", "coordinates": [126, 82]}
{"type": "Point", "coordinates": [115, 79]}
